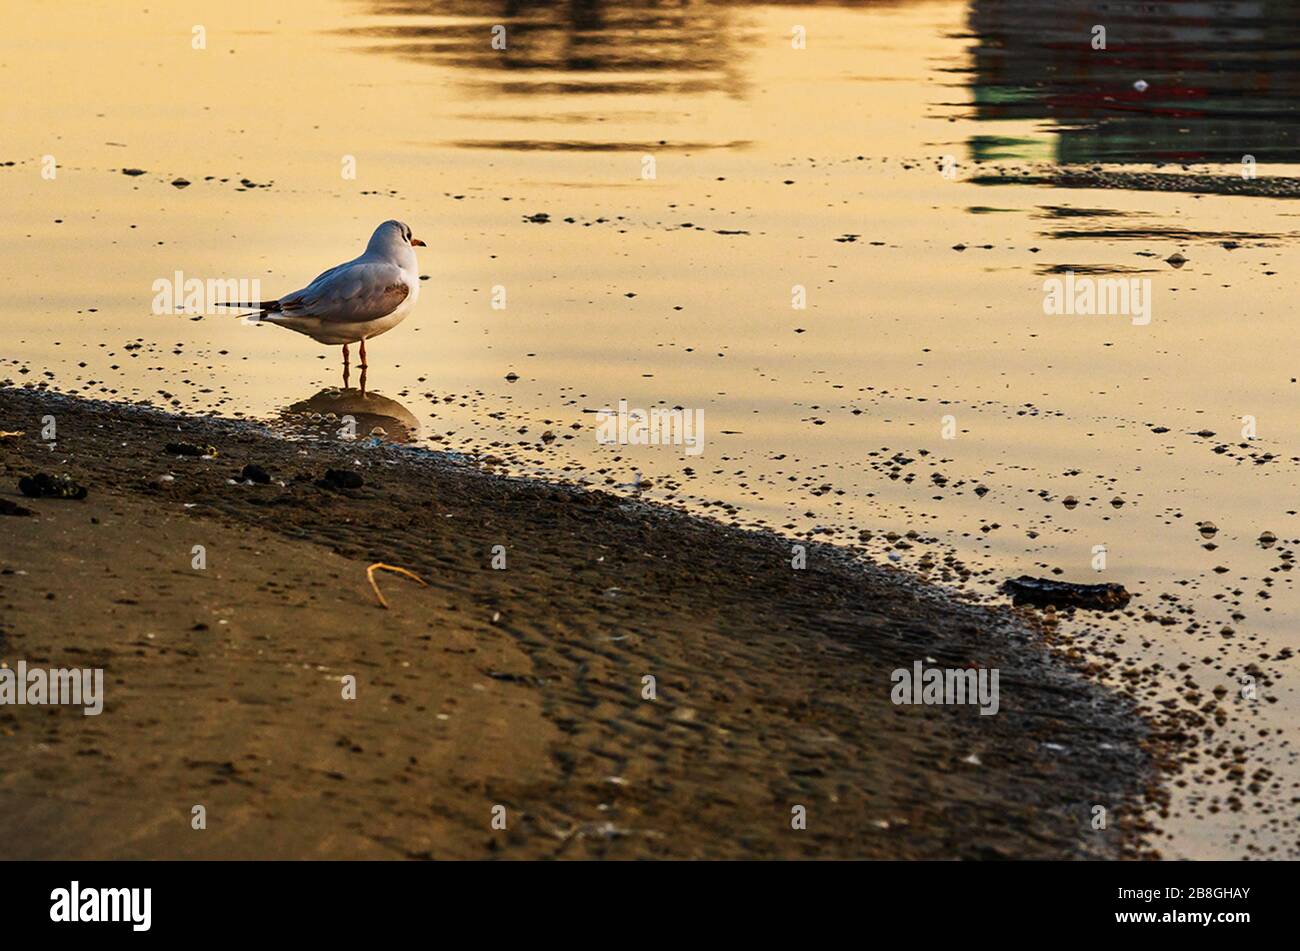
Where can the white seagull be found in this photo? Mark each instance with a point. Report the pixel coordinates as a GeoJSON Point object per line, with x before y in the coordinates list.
{"type": "Point", "coordinates": [356, 300]}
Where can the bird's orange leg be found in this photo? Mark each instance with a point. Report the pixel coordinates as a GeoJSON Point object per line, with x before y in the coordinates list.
{"type": "Point", "coordinates": [345, 366]}
{"type": "Point", "coordinates": [363, 353]}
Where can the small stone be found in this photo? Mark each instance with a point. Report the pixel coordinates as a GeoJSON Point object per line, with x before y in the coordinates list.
{"type": "Point", "coordinates": [341, 479]}
{"type": "Point", "coordinates": [189, 449]}
{"type": "Point", "coordinates": [255, 473]}
{"type": "Point", "coordinates": [13, 508]}
{"type": "Point", "coordinates": [45, 486]}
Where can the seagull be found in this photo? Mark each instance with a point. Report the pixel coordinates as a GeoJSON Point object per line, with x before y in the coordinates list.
{"type": "Point", "coordinates": [353, 301]}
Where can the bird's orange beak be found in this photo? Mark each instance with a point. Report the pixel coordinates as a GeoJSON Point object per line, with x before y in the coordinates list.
{"type": "Point", "coordinates": [417, 243]}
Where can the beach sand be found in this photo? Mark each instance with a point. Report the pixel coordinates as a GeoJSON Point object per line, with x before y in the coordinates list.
{"type": "Point", "coordinates": [520, 688]}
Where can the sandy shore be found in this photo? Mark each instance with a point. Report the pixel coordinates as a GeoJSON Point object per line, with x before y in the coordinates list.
{"type": "Point", "coordinates": [520, 687]}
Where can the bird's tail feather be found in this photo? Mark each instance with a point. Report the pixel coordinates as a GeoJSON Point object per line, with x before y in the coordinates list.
{"type": "Point", "coordinates": [263, 306]}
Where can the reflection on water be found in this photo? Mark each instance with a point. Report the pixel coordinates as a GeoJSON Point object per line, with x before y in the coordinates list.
{"type": "Point", "coordinates": [565, 58]}
{"type": "Point", "coordinates": [633, 46]}
{"type": "Point", "coordinates": [355, 413]}
{"type": "Point", "coordinates": [1222, 80]}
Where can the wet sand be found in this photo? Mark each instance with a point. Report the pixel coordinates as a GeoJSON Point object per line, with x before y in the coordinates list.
{"type": "Point", "coordinates": [519, 687]}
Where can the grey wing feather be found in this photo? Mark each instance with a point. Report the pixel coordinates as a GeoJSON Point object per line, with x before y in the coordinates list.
{"type": "Point", "coordinates": [350, 293]}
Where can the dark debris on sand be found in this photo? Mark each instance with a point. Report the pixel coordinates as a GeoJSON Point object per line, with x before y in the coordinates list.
{"type": "Point", "coordinates": [1065, 594]}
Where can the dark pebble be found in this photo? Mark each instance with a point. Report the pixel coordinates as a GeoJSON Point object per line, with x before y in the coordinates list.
{"type": "Point", "coordinates": [342, 479]}
{"type": "Point", "coordinates": [13, 508]}
{"type": "Point", "coordinates": [255, 473]}
{"type": "Point", "coordinates": [45, 486]}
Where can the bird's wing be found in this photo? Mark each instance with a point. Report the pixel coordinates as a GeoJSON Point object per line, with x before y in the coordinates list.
{"type": "Point", "coordinates": [350, 293]}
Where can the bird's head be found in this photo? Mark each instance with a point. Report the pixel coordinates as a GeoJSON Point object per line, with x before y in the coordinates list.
{"type": "Point", "coordinates": [393, 238]}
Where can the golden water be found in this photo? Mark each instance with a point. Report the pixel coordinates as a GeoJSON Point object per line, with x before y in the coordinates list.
{"type": "Point", "coordinates": [677, 290]}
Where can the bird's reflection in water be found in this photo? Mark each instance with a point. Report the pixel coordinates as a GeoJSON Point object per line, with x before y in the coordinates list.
{"type": "Point", "coordinates": [352, 413]}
